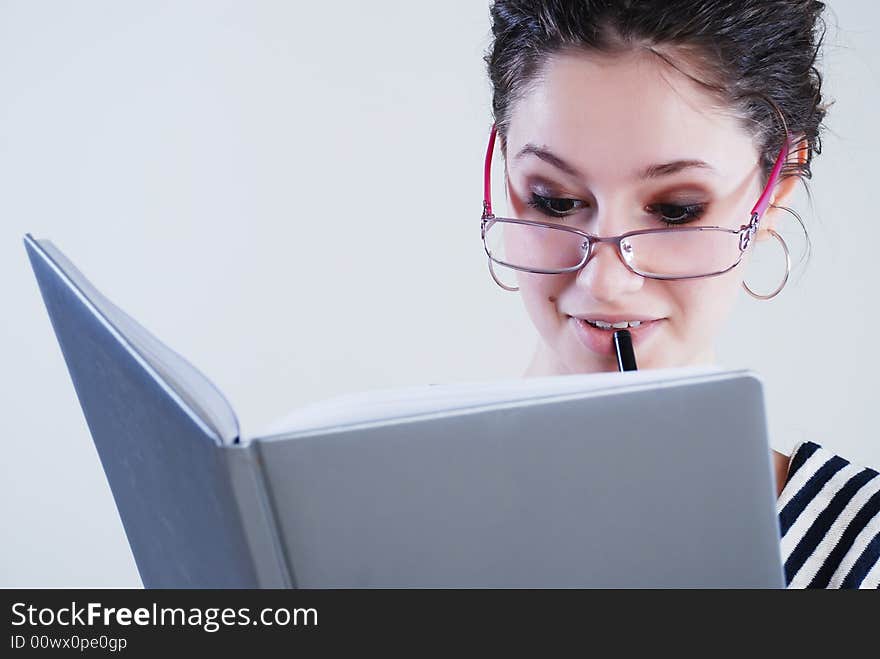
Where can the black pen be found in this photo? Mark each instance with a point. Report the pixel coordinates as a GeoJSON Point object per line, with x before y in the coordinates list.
{"type": "Point", "coordinates": [626, 358]}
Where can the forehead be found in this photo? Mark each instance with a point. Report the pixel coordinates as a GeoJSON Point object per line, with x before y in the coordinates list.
{"type": "Point", "coordinates": [626, 111]}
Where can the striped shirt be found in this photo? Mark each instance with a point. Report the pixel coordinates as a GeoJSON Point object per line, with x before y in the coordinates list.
{"type": "Point", "coordinates": [829, 521]}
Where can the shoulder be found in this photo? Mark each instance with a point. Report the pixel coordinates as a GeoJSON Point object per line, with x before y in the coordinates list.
{"type": "Point", "coordinates": [829, 521]}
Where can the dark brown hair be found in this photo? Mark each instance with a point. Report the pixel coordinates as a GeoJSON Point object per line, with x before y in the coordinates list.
{"type": "Point", "coordinates": [758, 56]}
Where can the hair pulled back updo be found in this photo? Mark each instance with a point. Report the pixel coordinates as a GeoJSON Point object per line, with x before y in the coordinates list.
{"type": "Point", "coordinates": [757, 56]}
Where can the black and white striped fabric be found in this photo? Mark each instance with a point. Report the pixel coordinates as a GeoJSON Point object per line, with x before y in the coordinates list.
{"type": "Point", "coordinates": [829, 520]}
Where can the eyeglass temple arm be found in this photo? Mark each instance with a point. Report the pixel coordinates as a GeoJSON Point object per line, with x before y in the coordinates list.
{"type": "Point", "coordinates": [764, 200]}
{"type": "Point", "coordinates": [487, 175]}
{"type": "Point", "coordinates": [758, 210]}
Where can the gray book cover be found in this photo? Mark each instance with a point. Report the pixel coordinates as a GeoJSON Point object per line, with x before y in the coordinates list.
{"type": "Point", "coordinates": [638, 479]}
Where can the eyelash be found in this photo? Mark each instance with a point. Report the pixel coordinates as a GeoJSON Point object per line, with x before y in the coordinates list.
{"type": "Point", "coordinates": [686, 213]}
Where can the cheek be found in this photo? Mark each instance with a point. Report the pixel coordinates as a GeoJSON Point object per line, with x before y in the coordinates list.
{"type": "Point", "coordinates": [539, 295]}
{"type": "Point", "coordinates": [538, 291]}
{"type": "Point", "coordinates": [518, 248]}
{"type": "Point", "coordinates": [704, 304]}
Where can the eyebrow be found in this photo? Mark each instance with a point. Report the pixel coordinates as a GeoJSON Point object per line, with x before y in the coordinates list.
{"type": "Point", "coordinates": [649, 172]}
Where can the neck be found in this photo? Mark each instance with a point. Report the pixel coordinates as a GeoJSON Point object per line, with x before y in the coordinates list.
{"type": "Point", "coordinates": [707, 358]}
{"type": "Point", "coordinates": [544, 362]}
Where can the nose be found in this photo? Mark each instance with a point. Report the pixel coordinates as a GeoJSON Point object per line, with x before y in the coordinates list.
{"type": "Point", "coordinates": [605, 277]}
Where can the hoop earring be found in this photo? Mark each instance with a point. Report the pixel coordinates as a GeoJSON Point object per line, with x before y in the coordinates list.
{"type": "Point", "coordinates": [758, 296]}
{"type": "Point", "coordinates": [513, 289]}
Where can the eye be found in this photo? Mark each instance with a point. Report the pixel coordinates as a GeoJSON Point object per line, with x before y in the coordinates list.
{"type": "Point", "coordinates": [676, 214]}
{"type": "Point", "coordinates": [555, 206]}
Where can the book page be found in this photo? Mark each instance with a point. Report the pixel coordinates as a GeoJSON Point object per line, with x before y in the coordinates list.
{"type": "Point", "coordinates": [388, 404]}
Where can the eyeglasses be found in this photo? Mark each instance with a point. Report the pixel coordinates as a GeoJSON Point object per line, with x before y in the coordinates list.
{"type": "Point", "coordinates": [679, 253]}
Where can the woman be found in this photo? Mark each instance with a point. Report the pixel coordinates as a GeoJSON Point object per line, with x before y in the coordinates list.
{"type": "Point", "coordinates": [675, 130]}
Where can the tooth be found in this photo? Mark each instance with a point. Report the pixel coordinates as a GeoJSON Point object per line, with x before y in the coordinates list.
{"type": "Point", "coordinates": [603, 324]}
{"type": "Point", "coordinates": [635, 323]}
{"type": "Point", "coordinates": [620, 325]}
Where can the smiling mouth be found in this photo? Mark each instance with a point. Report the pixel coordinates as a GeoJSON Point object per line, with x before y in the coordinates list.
{"type": "Point", "coordinates": [596, 335]}
{"type": "Point", "coordinates": [601, 324]}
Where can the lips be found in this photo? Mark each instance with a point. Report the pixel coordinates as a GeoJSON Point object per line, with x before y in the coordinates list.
{"type": "Point", "coordinates": [601, 324]}
{"type": "Point", "coordinates": [614, 318]}
{"type": "Point", "coordinates": [600, 341]}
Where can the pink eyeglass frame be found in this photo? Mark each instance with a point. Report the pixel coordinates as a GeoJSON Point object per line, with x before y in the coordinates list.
{"type": "Point", "coordinates": [745, 232]}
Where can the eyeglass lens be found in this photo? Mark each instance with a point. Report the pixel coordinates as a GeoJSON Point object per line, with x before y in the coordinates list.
{"type": "Point", "coordinates": [684, 252]}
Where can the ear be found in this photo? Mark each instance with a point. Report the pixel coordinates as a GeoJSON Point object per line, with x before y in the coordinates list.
{"type": "Point", "coordinates": [784, 191]}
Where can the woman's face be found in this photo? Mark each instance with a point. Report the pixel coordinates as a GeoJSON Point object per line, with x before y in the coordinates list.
{"type": "Point", "coordinates": [596, 136]}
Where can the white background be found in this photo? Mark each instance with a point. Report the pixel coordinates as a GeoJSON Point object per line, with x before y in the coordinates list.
{"type": "Point", "coordinates": [288, 194]}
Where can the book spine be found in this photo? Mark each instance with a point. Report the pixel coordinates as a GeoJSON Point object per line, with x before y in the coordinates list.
{"type": "Point", "coordinates": [257, 517]}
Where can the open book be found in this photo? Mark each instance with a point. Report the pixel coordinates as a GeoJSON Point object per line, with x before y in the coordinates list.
{"type": "Point", "coordinates": [501, 483]}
